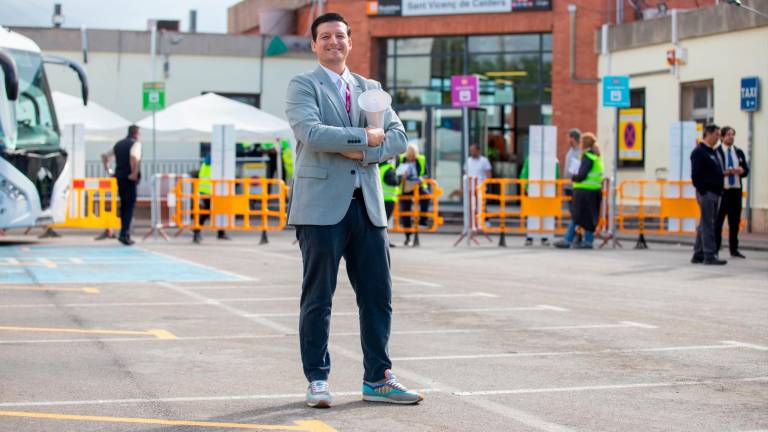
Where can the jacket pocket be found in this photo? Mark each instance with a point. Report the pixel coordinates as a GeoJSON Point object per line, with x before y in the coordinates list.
{"type": "Point", "coordinates": [312, 172]}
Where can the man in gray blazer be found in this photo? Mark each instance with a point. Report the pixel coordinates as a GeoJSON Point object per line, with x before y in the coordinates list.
{"type": "Point", "coordinates": [338, 211]}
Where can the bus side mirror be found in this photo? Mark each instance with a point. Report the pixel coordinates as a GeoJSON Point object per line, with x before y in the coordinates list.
{"type": "Point", "coordinates": [11, 77]}
{"type": "Point", "coordinates": [77, 67]}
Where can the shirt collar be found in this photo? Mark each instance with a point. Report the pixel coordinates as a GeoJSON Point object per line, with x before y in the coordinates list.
{"type": "Point", "coordinates": [346, 75]}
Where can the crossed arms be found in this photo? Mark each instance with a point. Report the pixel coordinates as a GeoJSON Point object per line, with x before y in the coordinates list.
{"type": "Point", "coordinates": [367, 145]}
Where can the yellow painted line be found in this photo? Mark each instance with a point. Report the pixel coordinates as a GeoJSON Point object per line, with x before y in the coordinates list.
{"type": "Point", "coordinates": [160, 334]}
{"type": "Point", "coordinates": [306, 425]}
{"type": "Point", "coordinates": [87, 290]}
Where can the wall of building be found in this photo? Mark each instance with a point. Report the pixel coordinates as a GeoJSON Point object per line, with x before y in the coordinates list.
{"type": "Point", "coordinates": [572, 101]}
{"type": "Point", "coordinates": [119, 62]}
{"type": "Point", "coordinates": [724, 58]}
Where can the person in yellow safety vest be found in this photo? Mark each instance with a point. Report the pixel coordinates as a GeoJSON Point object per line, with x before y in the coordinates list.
{"type": "Point", "coordinates": [287, 156]}
{"type": "Point", "coordinates": [205, 187]}
{"type": "Point", "coordinates": [412, 169]}
{"type": "Point", "coordinates": [587, 195]}
{"type": "Point", "coordinates": [390, 186]}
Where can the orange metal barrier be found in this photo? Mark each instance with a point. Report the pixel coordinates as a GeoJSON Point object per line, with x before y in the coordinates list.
{"type": "Point", "coordinates": [421, 221]}
{"type": "Point", "coordinates": [250, 204]}
{"type": "Point", "coordinates": [92, 203]}
{"type": "Point", "coordinates": [650, 206]}
{"type": "Point", "coordinates": [512, 207]}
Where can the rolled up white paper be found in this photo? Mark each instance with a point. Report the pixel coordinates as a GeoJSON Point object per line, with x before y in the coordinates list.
{"type": "Point", "coordinates": [375, 103]}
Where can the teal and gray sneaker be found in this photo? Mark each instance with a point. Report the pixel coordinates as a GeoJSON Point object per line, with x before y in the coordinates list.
{"type": "Point", "coordinates": [389, 390]}
{"type": "Point", "coordinates": [318, 395]}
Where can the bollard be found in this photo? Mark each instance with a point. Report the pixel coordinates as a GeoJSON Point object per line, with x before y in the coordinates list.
{"type": "Point", "coordinates": [503, 239]}
{"type": "Point", "coordinates": [264, 239]}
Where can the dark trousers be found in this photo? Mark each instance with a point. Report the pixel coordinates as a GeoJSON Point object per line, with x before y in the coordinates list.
{"type": "Point", "coordinates": [126, 189]}
{"type": "Point", "coordinates": [730, 205]}
{"type": "Point", "coordinates": [205, 204]}
{"type": "Point", "coordinates": [389, 207]}
{"type": "Point", "coordinates": [365, 250]}
{"type": "Point", "coordinates": [406, 203]}
{"type": "Point", "coordinates": [704, 248]}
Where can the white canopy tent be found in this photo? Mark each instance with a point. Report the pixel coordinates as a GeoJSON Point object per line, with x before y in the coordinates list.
{"type": "Point", "coordinates": [193, 120]}
{"type": "Point", "coordinates": [99, 122]}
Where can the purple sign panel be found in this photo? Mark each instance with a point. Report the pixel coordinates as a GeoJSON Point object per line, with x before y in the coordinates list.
{"type": "Point", "coordinates": [464, 91]}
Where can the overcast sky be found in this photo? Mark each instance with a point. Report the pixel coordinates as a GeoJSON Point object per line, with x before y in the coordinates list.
{"type": "Point", "coordinates": [116, 14]}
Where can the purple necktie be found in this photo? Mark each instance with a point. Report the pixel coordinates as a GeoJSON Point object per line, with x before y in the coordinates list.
{"type": "Point", "coordinates": [347, 97]}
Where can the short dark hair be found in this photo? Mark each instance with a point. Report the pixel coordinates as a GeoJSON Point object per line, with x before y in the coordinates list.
{"type": "Point", "coordinates": [575, 133]}
{"type": "Point", "coordinates": [724, 130]}
{"type": "Point", "coordinates": [329, 17]}
{"type": "Point", "coordinates": [132, 130]}
{"type": "Point", "coordinates": [710, 129]}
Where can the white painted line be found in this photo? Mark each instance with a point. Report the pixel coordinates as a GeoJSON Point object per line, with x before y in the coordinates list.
{"type": "Point", "coordinates": [499, 409]}
{"type": "Point", "coordinates": [420, 312]}
{"type": "Point", "coordinates": [746, 345]}
{"type": "Point", "coordinates": [223, 337]}
{"type": "Point", "coordinates": [229, 300]}
{"type": "Point", "coordinates": [569, 353]}
{"type": "Point", "coordinates": [171, 257]}
{"type": "Point", "coordinates": [46, 262]}
{"type": "Point", "coordinates": [416, 282]}
{"type": "Point", "coordinates": [500, 309]}
{"type": "Point", "coordinates": [639, 325]}
{"type": "Point", "coordinates": [503, 410]}
{"type": "Point", "coordinates": [610, 387]}
{"type": "Point", "coordinates": [230, 309]}
{"type": "Point", "coordinates": [621, 324]}
{"type": "Point", "coordinates": [474, 294]}
{"type": "Point", "coordinates": [179, 399]}
{"type": "Point", "coordinates": [76, 261]}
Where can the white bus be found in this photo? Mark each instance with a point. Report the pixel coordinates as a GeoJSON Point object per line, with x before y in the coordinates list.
{"type": "Point", "coordinates": [34, 176]}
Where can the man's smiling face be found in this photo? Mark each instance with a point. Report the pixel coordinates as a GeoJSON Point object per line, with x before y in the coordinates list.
{"type": "Point", "coordinates": [332, 44]}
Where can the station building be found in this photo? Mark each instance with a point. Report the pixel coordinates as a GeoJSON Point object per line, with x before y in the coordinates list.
{"type": "Point", "coordinates": [536, 59]}
{"type": "Point", "coordinates": [712, 50]}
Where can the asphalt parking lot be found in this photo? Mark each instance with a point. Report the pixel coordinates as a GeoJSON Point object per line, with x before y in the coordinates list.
{"type": "Point", "coordinates": [169, 336]}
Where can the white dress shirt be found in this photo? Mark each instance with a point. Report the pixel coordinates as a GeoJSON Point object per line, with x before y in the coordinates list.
{"type": "Point", "coordinates": [342, 82]}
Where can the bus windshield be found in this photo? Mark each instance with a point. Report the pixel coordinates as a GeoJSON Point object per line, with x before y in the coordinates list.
{"type": "Point", "coordinates": [36, 122]}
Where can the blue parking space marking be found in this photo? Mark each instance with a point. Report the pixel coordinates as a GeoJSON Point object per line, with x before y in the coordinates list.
{"type": "Point", "coordinates": [70, 264]}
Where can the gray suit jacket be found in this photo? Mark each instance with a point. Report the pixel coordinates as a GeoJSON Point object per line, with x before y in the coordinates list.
{"type": "Point", "coordinates": [324, 180]}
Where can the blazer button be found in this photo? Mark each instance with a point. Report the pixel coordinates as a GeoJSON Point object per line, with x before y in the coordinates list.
{"type": "Point", "coordinates": [352, 172]}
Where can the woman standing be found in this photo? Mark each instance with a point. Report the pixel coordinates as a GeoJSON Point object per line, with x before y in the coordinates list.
{"type": "Point", "coordinates": [587, 194]}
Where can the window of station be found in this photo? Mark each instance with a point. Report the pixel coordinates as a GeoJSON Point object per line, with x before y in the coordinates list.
{"type": "Point", "coordinates": [515, 72]}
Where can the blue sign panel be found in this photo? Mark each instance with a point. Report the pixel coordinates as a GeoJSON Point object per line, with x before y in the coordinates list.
{"type": "Point", "coordinates": [616, 91]}
{"type": "Point", "coordinates": [750, 94]}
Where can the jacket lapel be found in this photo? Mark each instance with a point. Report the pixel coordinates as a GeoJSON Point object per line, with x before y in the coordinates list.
{"type": "Point", "coordinates": [332, 93]}
{"type": "Point", "coordinates": [356, 113]}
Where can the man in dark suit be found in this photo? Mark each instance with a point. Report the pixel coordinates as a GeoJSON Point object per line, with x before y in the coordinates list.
{"type": "Point", "coordinates": [337, 208]}
{"type": "Point", "coordinates": [707, 177]}
{"type": "Point", "coordinates": [127, 154]}
{"type": "Point", "coordinates": [736, 168]}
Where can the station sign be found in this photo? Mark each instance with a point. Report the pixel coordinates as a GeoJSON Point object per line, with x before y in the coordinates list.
{"type": "Point", "coordinates": [464, 91]}
{"type": "Point", "coordinates": [750, 94]}
{"type": "Point", "coordinates": [616, 91]}
{"type": "Point", "coordinates": [153, 96]}
{"type": "Point", "coordinates": [451, 7]}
